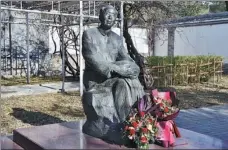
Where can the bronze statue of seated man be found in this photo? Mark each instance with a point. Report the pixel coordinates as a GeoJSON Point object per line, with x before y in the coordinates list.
{"type": "Point", "coordinates": [110, 77]}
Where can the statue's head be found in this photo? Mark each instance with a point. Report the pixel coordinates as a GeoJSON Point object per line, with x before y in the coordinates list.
{"type": "Point", "coordinates": [108, 15]}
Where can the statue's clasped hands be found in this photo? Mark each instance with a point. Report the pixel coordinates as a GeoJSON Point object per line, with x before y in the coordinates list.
{"type": "Point", "coordinates": [126, 69]}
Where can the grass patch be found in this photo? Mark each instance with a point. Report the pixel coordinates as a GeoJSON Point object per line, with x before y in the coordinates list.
{"type": "Point", "coordinates": [33, 80]}
{"type": "Point", "coordinates": [25, 111]}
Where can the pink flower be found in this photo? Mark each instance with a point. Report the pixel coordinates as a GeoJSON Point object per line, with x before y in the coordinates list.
{"type": "Point", "coordinates": [159, 100]}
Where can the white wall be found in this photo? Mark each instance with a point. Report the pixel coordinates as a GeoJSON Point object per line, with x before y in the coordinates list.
{"type": "Point", "coordinates": [38, 43]}
{"type": "Point", "coordinates": [161, 43]}
{"type": "Point", "coordinates": [202, 40]}
{"type": "Point", "coordinates": [197, 40]}
{"type": "Point", "coordinates": [139, 37]}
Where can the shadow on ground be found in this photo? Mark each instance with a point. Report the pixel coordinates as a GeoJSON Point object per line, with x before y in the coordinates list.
{"type": "Point", "coordinates": [68, 110]}
{"type": "Point", "coordinates": [77, 93]}
{"type": "Point", "coordinates": [34, 118]}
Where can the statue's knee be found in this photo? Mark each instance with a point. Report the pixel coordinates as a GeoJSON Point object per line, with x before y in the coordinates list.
{"type": "Point", "coordinates": [121, 82]}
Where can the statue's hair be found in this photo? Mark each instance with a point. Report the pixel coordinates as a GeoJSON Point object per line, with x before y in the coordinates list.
{"type": "Point", "coordinates": [104, 9]}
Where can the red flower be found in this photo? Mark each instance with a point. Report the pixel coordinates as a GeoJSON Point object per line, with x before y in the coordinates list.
{"type": "Point", "coordinates": [135, 124]}
{"type": "Point", "coordinates": [143, 139]}
{"type": "Point", "coordinates": [141, 113]}
{"type": "Point", "coordinates": [150, 120]}
{"type": "Point", "coordinates": [158, 113]}
{"type": "Point", "coordinates": [144, 130]}
{"type": "Point", "coordinates": [126, 128]}
{"type": "Point", "coordinates": [132, 131]}
{"type": "Point", "coordinates": [166, 109]}
{"type": "Point", "coordinates": [161, 104]}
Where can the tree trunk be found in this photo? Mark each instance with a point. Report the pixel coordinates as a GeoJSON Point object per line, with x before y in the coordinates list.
{"type": "Point", "coordinates": [138, 58]}
{"type": "Point", "coordinates": [226, 2]}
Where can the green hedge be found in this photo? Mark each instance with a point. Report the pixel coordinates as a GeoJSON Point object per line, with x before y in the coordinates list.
{"type": "Point", "coordinates": [180, 70]}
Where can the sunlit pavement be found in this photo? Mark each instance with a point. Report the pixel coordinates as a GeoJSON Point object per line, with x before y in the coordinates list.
{"type": "Point", "coordinates": [8, 91]}
{"type": "Point", "coordinates": [211, 121]}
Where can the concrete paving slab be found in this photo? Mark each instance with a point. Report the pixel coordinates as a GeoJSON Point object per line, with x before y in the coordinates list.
{"type": "Point", "coordinates": [8, 91]}
{"type": "Point", "coordinates": [211, 121]}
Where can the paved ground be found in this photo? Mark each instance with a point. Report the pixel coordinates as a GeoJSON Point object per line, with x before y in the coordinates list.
{"type": "Point", "coordinates": [8, 91]}
{"type": "Point", "coordinates": [212, 121]}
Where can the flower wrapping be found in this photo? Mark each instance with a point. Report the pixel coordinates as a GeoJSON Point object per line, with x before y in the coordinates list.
{"type": "Point", "coordinates": [166, 112]}
{"type": "Point", "coordinates": [165, 133]}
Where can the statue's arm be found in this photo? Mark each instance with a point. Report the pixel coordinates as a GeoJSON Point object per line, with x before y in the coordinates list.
{"type": "Point", "coordinates": [122, 53]}
{"type": "Point", "coordinates": [93, 58]}
{"type": "Point", "coordinates": [129, 68]}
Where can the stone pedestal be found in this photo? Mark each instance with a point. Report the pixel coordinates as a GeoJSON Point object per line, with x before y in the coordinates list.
{"type": "Point", "coordinates": [58, 136]}
{"type": "Point", "coordinates": [8, 144]}
{"type": "Point", "coordinates": [69, 136]}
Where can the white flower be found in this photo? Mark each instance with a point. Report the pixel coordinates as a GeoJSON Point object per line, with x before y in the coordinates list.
{"type": "Point", "coordinates": [130, 137]}
{"type": "Point", "coordinates": [149, 127]}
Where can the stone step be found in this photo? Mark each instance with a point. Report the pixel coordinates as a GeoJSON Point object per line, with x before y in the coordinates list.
{"type": "Point", "coordinates": [68, 135]}
{"type": "Point", "coordinates": [8, 144]}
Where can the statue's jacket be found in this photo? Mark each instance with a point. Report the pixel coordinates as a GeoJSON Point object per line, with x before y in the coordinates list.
{"type": "Point", "coordinates": [100, 50]}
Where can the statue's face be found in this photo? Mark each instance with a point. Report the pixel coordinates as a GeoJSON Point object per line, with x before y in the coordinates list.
{"type": "Point", "coordinates": [108, 18]}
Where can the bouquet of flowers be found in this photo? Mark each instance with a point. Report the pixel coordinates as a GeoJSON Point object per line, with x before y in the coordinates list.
{"type": "Point", "coordinates": [167, 106]}
{"type": "Point", "coordinates": [140, 127]}
{"type": "Point", "coordinates": [151, 119]}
